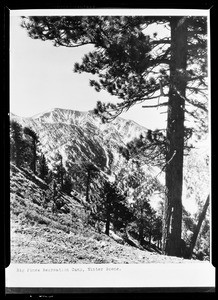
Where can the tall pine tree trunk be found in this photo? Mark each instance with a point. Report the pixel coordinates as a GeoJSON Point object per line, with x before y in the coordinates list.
{"type": "Point", "coordinates": [107, 227]}
{"type": "Point", "coordinates": [175, 138]}
{"type": "Point", "coordinates": [200, 221]}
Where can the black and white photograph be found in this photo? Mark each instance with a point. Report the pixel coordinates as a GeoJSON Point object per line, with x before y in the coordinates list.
{"type": "Point", "coordinates": [110, 139]}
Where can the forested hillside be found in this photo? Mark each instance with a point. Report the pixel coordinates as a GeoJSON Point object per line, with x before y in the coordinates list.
{"type": "Point", "coordinates": [68, 235]}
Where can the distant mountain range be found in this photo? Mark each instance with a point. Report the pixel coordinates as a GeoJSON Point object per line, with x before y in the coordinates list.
{"type": "Point", "coordinates": [81, 136]}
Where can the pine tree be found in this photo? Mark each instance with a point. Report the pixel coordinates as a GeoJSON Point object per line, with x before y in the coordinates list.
{"type": "Point", "coordinates": [142, 213]}
{"type": "Point", "coordinates": [157, 230]}
{"type": "Point", "coordinates": [59, 169]}
{"type": "Point", "coordinates": [112, 207]}
{"type": "Point", "coordinates": [136, 68]}
{"type": "Point", "coordinates": [16, 143]}
{"type": "Point", "coordinates": [34, 141]}
{"type": "Point", "coordinates": [142, 187]}
{"type": "Point", "coordinates": [43, 167]}
{"type": "Point", "coordinates": [67, 184]}
{"type": "Point", "coordinates": [91, 172]}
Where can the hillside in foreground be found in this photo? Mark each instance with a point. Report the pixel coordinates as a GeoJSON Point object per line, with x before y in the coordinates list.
{"type": "Point", "coordinates": [67, 236]}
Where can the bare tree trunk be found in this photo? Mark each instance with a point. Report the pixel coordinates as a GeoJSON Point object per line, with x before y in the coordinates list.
{"type": "Point", "coordinates": [108, 214]}
{"type": "Point", "coordinates": [107, 229]}
{"type": "Point", "coordinates": [141, 234]}
{"type": "Point", "coordinates": [175, 139]}
{"type": "Point", "coordinates": [197, 229]}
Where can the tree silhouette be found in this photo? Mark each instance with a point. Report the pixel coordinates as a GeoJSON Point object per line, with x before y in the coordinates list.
{"type": "Point", "coordinates": [59, 169]}
{"type": "Point", "coordinates": [112, 207]}
{"type": "Point", "coordinates": [67, 184]}
{"type": "Point", "coordinates": [16, 143]}
{"type": "Point", "coordinates": [34, 140]}
{"type": "Point", "coordinates": [43, 167]}
{"type": "Point", "coordinates": [140, 187]}
{"type": "Point", "coordinates": [91, 172]}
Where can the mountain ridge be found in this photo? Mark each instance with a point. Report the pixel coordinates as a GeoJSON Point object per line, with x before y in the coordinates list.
{"type": "Point", "coordinates": [72, 111]}
{"type": "Point", "coordinates": [81, 137]}
{"type": "Point", "coordinates": [84, 118]}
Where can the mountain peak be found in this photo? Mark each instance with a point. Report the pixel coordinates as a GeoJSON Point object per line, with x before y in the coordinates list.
{"type": "Point", "coordinates": [122, 129]}
{"type": "Point", "coordinates": [59, 115]}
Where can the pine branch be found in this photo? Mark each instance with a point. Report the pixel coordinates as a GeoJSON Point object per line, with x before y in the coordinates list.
{"type": "Point", "coordinates": [200, 78]}
{"type": "Point", "coordinates": [157, 105]}
{"type": "Point", "coordinates": [197, 104]}
{"type": "Point", "coordinates": [162, 41]}
{"type": "Point", "coordinates": [168, 162]}
{"type": "Point", "coordinates": [59, 43]}
{"type": "Point", "coordinates": [196, 89]}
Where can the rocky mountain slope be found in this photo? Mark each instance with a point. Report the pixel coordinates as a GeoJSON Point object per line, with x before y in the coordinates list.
{"type": "Point", "coordinates": [81, 136]}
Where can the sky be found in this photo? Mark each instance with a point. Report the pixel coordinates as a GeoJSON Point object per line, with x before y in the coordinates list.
{"type": "Point", "coordinates": [42, 77]}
